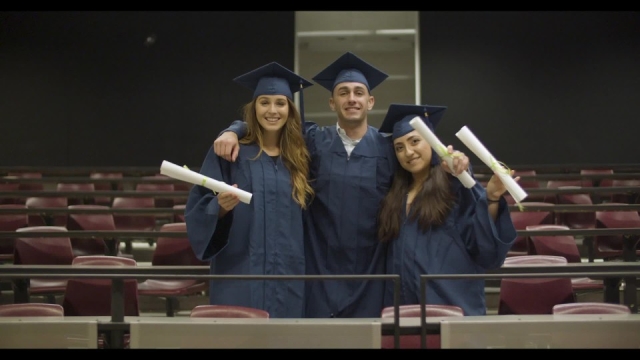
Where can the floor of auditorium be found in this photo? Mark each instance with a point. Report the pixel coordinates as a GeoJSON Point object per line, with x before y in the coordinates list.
{"type": "Point", "coordinates": [153, 306]}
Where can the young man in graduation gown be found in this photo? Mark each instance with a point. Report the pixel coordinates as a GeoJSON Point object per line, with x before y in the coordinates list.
{"type": "Point", "coordinates": [264, 237]}
{"type": "Point", "coordinates": [435, 225]}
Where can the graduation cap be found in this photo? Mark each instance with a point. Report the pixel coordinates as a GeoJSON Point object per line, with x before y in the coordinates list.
{"type": "Point", "coordinates": [350, 68]}
{"type": "Point", "coordinates": [273, 79]}
{"type": "Point", "coordinates": [399, 115]}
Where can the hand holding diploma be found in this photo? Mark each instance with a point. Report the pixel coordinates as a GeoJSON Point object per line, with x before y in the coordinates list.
{"type": "Point", "coordinates": [465, 178]}
{"type": "Point", "coordinates": [466, 136]}
{"type": "Point", "coordinates": [192, 177]}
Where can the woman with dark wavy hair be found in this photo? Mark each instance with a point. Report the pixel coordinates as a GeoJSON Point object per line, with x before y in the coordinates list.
{"type": "Point", "coordinates": [264, 237]}
{"type": "Point", "coordinates": [433, 224]}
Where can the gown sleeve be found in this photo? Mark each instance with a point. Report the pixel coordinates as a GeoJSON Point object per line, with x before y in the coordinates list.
{"type": "Point", "coordinates": [206, 232]}
{"type": "Point", "coordinates": [238, 127]}
{"type": "Point", "coordinates": [486, 240]}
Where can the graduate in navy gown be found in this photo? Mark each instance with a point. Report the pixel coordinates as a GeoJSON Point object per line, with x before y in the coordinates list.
{"type": "Point", "coordinates": [434, 225]}
{"type": "Point", "coordinates": [264, 237]}
{"type": "Point", "coordinates": [352, 166]}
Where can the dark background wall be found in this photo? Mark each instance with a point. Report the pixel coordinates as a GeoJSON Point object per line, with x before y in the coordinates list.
{"type": "Point", "coordinates": [84, 89]}
{"type": "Point", "coordinates": [536, 87]}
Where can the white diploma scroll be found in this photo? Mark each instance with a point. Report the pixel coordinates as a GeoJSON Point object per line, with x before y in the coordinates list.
{"type": "Point", "coordinates": [466, 136]}
{"type": "Point", "coordinates": [192, 177]}
{"type": "Point", "coordinates": [465, 178]}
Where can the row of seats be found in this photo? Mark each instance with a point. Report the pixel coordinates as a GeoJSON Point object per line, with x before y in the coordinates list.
{"type": "Point", "coordinates": [387, 341]}
{"type": "Point", "coordinates": [606, 247]}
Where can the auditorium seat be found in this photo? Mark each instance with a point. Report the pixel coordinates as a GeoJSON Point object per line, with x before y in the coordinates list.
{"type": "Point", "coordinates": [580, 308]}
{"type": "Point", "coordinates": [81, 187]}
{"type": "Point", "coordinates": [565, 246]}
{"type": "Point", "coordinates": [91, 222]}
{"type": "Point", "coordinates": [529, 183]}
{"type": "Point", "coordinates": [10, 222]}
{"type": "Point", "coordinates": [92, 297]}
{"type": "Point", "coordinates": [179, 217]}
{"type": "Point", "coordinates": [134, 222]}
{"type": "Point", "coordinates": [31, 309]}
{"type": "Point", "coordinates": [522, 219]}
{"type": "Point", "coordinates": [10, 188]}
{"type": "Point", "coordinates": [531, 296]}
{"type": "Point", "coordinates": [181, 186]}
{"type": "Point", "coordinates": [609, 247]}
{"type": "Point", "coordinates": [413, 341]}
{"type": "Point", "coordinates": [45, 219]}
{"type": "Point", "coordinates": [106, 186]}
{"type": "Point", "coordinates": [227, 311]}
{"type": "Point", "coordinates": [555, 184]}
{"type": "Point", "coordinates": [44, 251]}
{"type": "Point", "coordinates": [629, 197]}
{"type": "Point", "coordinates": [157, 186]}
{"type": "Point", "coordinates": [29, 186]}
{"type": "Point", "coordinates": [596, 182]}
{"type": "Point", "coordinates": [172, 251]}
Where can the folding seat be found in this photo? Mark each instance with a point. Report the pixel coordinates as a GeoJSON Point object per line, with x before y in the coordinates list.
{"type": "Point", "coordinates": [29, 186]}
{"type": "Point", "coordinates": [522, 219]}
{"type": "Point", "coordinates": [134, 222]}
{"type": "Point", "coordinates": [522, 296]}
{"type": "Point", "coordinates": [106, 186]}
{"type": "Point", "coordinates": [46, 219]}
{"type": "Point", "coordinates": [590, 308]}
{"type": "Point", "coordinates": [10, 222]}
{"type": "Point", "coordinates": [44, 251]}
{"type": "Point", "coordinates": [171, 251]}
{"type": "Point", "coordinates": [555, 184]}
{"type": "Point", "coordinates": [31, 309]}
{"type": "Point", "coordinates": [227, 311]}
{"type": "Point", "coordinates": [565, 246]}
{"type": "Point", "coordinates": [609, 247]}
{"type": "Point", "coordinates": [413, 341]}
{"type": "Point", "coordinates": [92, 297]}
{"type": "Point", "coordinates": [81, 187]}
{"type": "Point", "coordinates": [10, 188]}
{"type": "Point", "coordinates": [629, 197]}
{"type": "Point", "coordinates": [598, 182]}
{"type": "Point", "coordinates": [529, 183]}
{"type": "Point", "coordinates": [179, 217]}
{"type": "Point", "coordinates": [181, 186]}
{"type": "Point", "coordinates": [156, 186]}
{"type": "Point", "coordinates": [92, 222]}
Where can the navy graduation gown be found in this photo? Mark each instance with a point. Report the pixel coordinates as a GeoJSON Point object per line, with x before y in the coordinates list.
{"type": "Point", "coordinates": [341, 222]}
{"type": "Point", "coordinates": [470, 242]}
{"type": "Point", "coordinates": [263, 237]}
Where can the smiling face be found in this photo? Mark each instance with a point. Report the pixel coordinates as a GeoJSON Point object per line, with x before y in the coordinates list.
{"type": "Point", "coordinates": [351, 101]}
{"type": "Point", "coordinates": [272, 112]}
{"type": "Point", "coordinates": [413, 153]}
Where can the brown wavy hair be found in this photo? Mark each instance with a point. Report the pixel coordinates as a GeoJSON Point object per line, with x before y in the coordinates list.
{"type": "Point", "coordinates": [293, 149]}
{"type": "Point", "coordinates": [430, 207]}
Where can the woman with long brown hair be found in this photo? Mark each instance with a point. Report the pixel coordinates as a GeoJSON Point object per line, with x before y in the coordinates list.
{"type": "Point", "coordinates": [264, 237]}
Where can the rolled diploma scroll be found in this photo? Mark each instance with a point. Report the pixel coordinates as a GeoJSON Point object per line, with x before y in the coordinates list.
{"type": "Point", "coordinates": [180, 173]}
{"type": "Point", "coordinates": [465, 178]}
{"type": "Point", "coordinates": [466, 136]}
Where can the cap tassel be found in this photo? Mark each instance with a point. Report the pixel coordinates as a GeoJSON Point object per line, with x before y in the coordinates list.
{"type": "Point", "coordinates": [302, 105]}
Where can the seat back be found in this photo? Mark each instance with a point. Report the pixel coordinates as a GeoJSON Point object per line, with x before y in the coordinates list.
{"type": "Point", "coordinates": [92, 297]}
{"type": "Point", "coordinates": [598, 182]}
{"type": "Point", "coordinates": [81, 187]}
{"type": "Point", "coordinates": [42, 250]}
{"type": "Point", "coordinates": [90, 222]}
{"type": "Point", "coordinates": [227, 311]}
{"type": "Point", "coordinates": [174, 251]}
{"type": "Point", "coordinates": [555, 184]}
{"type": "Point", "coordinates": [31, 309]}
{"type": "Point", "coordinates": [179, 217]}
{"type": "Point", "coordinates": [47, 202]}
{"type": "Point", "coordinates": [522, 219]}
{"type": "Point", "coordinates": [580, 219]}
{"type": "Point", "coordinates": [611, 245]}
{"type": "Point", "coordinates": [105, 186]}
{"type": "Point", "coordinates": [11, 222]}
{"type": "Point", "coordinates": [157, 186]}
{"type": "Point", "coordinates": [555, 245]}
{"type": "Point", "coordinates": [534, 295]}
{"type": "Point", "coordinates": [625, 198]}
{"type": "Point", "coordinates": [413, 310]}
{"type": "Point", "coordinates": [134, 222]}
{"type": "Point", "coordinates": [29, 186]}
{"type": "Point", "coordinates": [590, 308]}
{"type": "Point", "coordinates": [10, 200]}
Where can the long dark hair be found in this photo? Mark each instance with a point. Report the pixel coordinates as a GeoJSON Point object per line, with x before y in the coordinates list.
{"type": "Point", "coordinates": [431, 206]}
